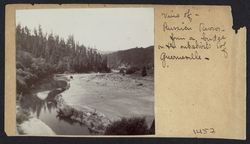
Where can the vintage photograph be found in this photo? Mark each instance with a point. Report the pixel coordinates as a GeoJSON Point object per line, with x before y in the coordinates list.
{"type": "Point", "coordinates": [85, 71]}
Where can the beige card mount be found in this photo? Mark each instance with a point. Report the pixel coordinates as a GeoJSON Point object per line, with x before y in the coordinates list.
{"type": "Point", "coordinates": [199, 71]}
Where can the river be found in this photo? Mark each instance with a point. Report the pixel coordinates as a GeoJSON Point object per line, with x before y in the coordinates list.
{"type": "Point", "coordinates": [111, 94]}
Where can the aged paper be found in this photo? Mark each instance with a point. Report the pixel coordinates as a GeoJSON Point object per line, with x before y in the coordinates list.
{"type": "Point", "coordinates": [200, 71]}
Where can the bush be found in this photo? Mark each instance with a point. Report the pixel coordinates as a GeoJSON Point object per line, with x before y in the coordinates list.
{"type": "Point", "coordinates": [22, 115]}
{"type": "Point", "coordinates": [25, 58]}
{"type": "Point", "coordinates": [19, 65]}
{"type": "Point", "coordinates": [122, 71]}
{"type": "Point", "coordinates": [132, 70]}
{"type": "Point", "coordinates": [128, 126]}
{"type": "Point", "coordinates": [24, 79]}
{"type": "Point", "coordinates": [144, 71]}
{"type": "Point", "coordinates": [21, 85]}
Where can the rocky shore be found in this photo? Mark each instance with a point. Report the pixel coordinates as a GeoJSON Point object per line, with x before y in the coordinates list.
{"type": "Point", "coordinates": [94, 120]}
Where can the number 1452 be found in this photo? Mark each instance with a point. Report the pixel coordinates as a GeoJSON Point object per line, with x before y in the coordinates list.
{"type": "Point", "coordinates": [204, 131]}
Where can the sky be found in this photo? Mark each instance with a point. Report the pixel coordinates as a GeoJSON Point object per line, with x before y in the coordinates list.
{"type": "Point", "coordinates": [107, 29]}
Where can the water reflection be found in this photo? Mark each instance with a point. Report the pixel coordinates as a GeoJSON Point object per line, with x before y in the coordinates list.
{"type": "Point", "coordinates": [46, 110]}
{"type": "Point", "coordinates": [33, 103]}
{"type": "Point", "coordinates": [75, 122]}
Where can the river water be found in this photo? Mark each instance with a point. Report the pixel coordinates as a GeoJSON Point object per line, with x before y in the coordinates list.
{"type": "Point", "coordinates": [114, 95]}
{"type": "Point", "coordinates": [46, 111]}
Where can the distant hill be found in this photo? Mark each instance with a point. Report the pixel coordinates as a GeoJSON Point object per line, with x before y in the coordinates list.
{"type": "Point", "coordinates": [134, 57]}
{"type": "Point", "coordinates": [105, 52]}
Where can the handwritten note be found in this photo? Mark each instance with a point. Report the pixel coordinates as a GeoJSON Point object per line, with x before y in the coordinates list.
{"type": "Point", "coordinates": [199, 73]}
{"type": "Point", "coordinates": [184, 31]}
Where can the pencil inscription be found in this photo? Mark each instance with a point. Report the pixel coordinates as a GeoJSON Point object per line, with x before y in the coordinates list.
{"type": "Point", "coordinates": [188, 38]}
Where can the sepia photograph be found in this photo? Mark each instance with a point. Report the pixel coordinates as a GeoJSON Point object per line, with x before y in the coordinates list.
{"type": "Point", "coordinates": [85, 71]}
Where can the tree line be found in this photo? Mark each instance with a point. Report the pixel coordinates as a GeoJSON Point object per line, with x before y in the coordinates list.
{"type": "Point", "coordinates": [40, 54]}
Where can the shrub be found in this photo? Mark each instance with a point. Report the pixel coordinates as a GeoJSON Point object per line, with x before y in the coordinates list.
{"type": "Point", "coordinates": [132, 70]}
{"type": "Point", "coordinates": [152, 128]}
{"type": "Point", "coordinates": [128, 126]}
{"type": "Point", "coordinates": [144, 71]}
{"type": "Point", "coordinates": [19, 65]}
{"type": "Point", "coordinates": [22, 115]}
{"type": "Point", "coordinates": [25, 58]}
{"type": "Point", "coordinates": [107, 70]}
{"type": "Point", "coordinates": [122, 71]}
{"type": "Point", "coordinates": [21, 85]}
{"type": "Point", "coordinates": [24, 79]}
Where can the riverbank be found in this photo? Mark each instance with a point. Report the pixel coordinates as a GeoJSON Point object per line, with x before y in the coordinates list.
{"type": "Point", "coordinates": [113, 94]}
{"type": "Point", "coordinates": [84, 115]}
{"type": "Point", "coordinates": [34, 126]}
{"type": "Point", "coordinates": [84, 104]}
{"type": "Point", "coordinates": [30, 125]}
{"type": "Point", "coordinates": [42, 93]}
{"type": "Point", "coordinates": [52, 89]}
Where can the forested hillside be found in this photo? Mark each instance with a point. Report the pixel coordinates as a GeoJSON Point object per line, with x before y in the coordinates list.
{"type": "Point", "coordinates": [39, 55]}
{"type": "Point", "coordinates": [134, 57]}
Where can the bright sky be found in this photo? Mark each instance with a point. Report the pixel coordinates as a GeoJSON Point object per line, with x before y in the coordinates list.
{"type": "Point", "coordinates": [107, 29]}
